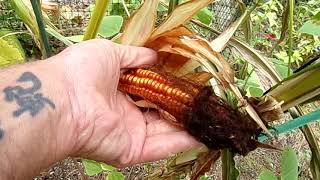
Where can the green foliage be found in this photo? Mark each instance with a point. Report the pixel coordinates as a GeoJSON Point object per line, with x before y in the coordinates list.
{"type": "Point", "coordinates": [312, 26]}
{"type": "Point", "coordinates": [205, 16]}
{"type": "Point", "coordinates": [115, 176]}
{"type": "Point", "coordinates": [11, 51]}
{"type": "Point", "coordinates": [281, 67]}
{"type": "Point", "coordinates": [267, 25]}
{"type": "Point", "coordinates": [111, 25]}
{"type": "Point", "coordinates": [289, 167]}
{"type": "Point", "coordinates": [93, 168]}
{"type": "Point", "coordinates": [204, 178]}
{"type": "Point", "coordinates": [96, 19]}
{"type": "Point", "coordinates": [76, 38]}
{"type": "Point", "coordinates": [267, 175]}
{"type": "Point", "coordinates": [229, 170]}
{"type": "Point", "coordinates": [251, 85]}
{"type": "Point", "coordinates": [117, 7]}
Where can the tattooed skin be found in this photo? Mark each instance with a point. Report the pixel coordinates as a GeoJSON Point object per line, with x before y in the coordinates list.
{"type": "Point", "coordinates": [1, 132]}
{"type": "Point", "coordinates": [28, 99]}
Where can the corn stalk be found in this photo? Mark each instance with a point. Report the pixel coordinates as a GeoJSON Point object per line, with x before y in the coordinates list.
{"type": "Point", "coordinates": [96, 19]}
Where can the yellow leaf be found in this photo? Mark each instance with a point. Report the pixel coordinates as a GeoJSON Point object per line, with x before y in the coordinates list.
{"type": "Point", "coordinates": [140, 26]}
{"type": "Point", "coordinates": [180, 15]}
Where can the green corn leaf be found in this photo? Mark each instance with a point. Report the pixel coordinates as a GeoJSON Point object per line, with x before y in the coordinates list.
{"type": "Point", "coordinates": [96, 19]}
{"type": "Point", "coordinates": [76, 38]}
{"type": "Point", "coordinates": [298, 88]}
{"type": "Point", "coordinates": [229, 170]}
{"type": "Point", "coordinates": [59, 36]}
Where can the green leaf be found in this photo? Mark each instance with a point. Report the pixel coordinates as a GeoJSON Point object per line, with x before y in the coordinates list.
{"type": "Point", "coordinates": [267, 175]}
{"type": "Point", "coordinates": [11, 50]}
{"type": "Point", "coordinates": [289, 165]}
{"type": "Point", "coordinates": [59, 36]}
{"type": "Point", "coordinates": [115, 176]}
{"type": "Point", "coordinates": [91, 167]}
{"type": "Point", "coordinates": [204, 178]}
{"type": "Point", "coordinates": [107, 167]}
{"type": "Point", "coordinates": [311, 27]}
{"type": "Point", "coordinates": [204, 15]}
{"type": "Point", "coordinates": [297, 88]}
{"type": "Point", "coordinates": [281, 68]}
{"type": "Point", "coordinates": [111, 25]}
{"type": "Point", "coordinates": [272, 16]}
{"type": "Point", "coordinates": [255, 92]}
{"type": "Point", "coordinates": [76, 38]}
{"type": "Point", "coordinates": [229, 170]}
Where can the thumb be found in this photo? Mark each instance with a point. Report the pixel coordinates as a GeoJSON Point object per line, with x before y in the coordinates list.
{"type": "Point", "coordinates": [131, 56]}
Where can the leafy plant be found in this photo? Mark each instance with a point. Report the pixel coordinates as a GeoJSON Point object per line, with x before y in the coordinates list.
{"type": "Point", "coordinates": [93, 168]}
{"type": "Point", "coordinates": [11, 49]}
{"type": "Point", "coordinates": [289, 167]}
{"type": "Point", "coordinates": [312, 26]}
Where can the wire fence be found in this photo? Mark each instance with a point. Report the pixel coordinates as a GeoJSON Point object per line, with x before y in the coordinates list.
{"type": "Point", "coordinates": [72, 15]}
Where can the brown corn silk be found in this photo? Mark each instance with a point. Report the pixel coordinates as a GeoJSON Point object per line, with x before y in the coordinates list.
{"type": "Point", "coordinates": [202, 113]}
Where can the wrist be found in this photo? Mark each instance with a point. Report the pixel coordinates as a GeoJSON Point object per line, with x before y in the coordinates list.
{"type": "Point", "coordinates": [35, 136]}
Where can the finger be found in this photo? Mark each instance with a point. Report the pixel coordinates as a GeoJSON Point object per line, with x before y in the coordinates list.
{"type": "Point", "coordinates": [165, 145]}
{"type": "Point", "coordinates": [131, 56]}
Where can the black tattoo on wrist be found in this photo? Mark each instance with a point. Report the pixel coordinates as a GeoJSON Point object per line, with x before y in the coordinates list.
{"type": "Point", "coordinates": [1, 132]}
{"type": "Point", "coordinates": [28, 99]}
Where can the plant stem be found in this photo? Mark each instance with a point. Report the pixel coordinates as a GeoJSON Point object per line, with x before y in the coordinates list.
{"type": "Point", "coordinates": [245, 83]}
{"type": "Point", "coordinates": [229, 171]}
{"type": "Point", "coordinates": [291, 6]}
{"type": "Point", "coordinates": [96, 19]}
{"type": "Point", "coordinates": [43, 34]}
{"type": "Point", "coordinates": [172, 5]}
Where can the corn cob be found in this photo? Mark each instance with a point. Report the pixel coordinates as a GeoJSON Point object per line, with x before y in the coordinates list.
{"type": "Point", "coordinates": [203, 114]}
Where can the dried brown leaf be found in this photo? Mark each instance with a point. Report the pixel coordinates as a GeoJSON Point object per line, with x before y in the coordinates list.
{"type": "Point", "coordinates": [204, 162]}
{"type": "Point", "coordinates": [198, 77]}
{"type": "Point", "coordinates": [268, 108]}
{"type": "Point", "coordinates": [221, 41]}
{"type": "Point", "coordinates": [140, 25]}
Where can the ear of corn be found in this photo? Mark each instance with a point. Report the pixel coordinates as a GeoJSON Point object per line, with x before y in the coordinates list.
{"type": "Point", "coordinates": [203, 114]}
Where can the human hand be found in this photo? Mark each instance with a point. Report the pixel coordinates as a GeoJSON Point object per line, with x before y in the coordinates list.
{"type": "Point", "coordinates": [105, 124]}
